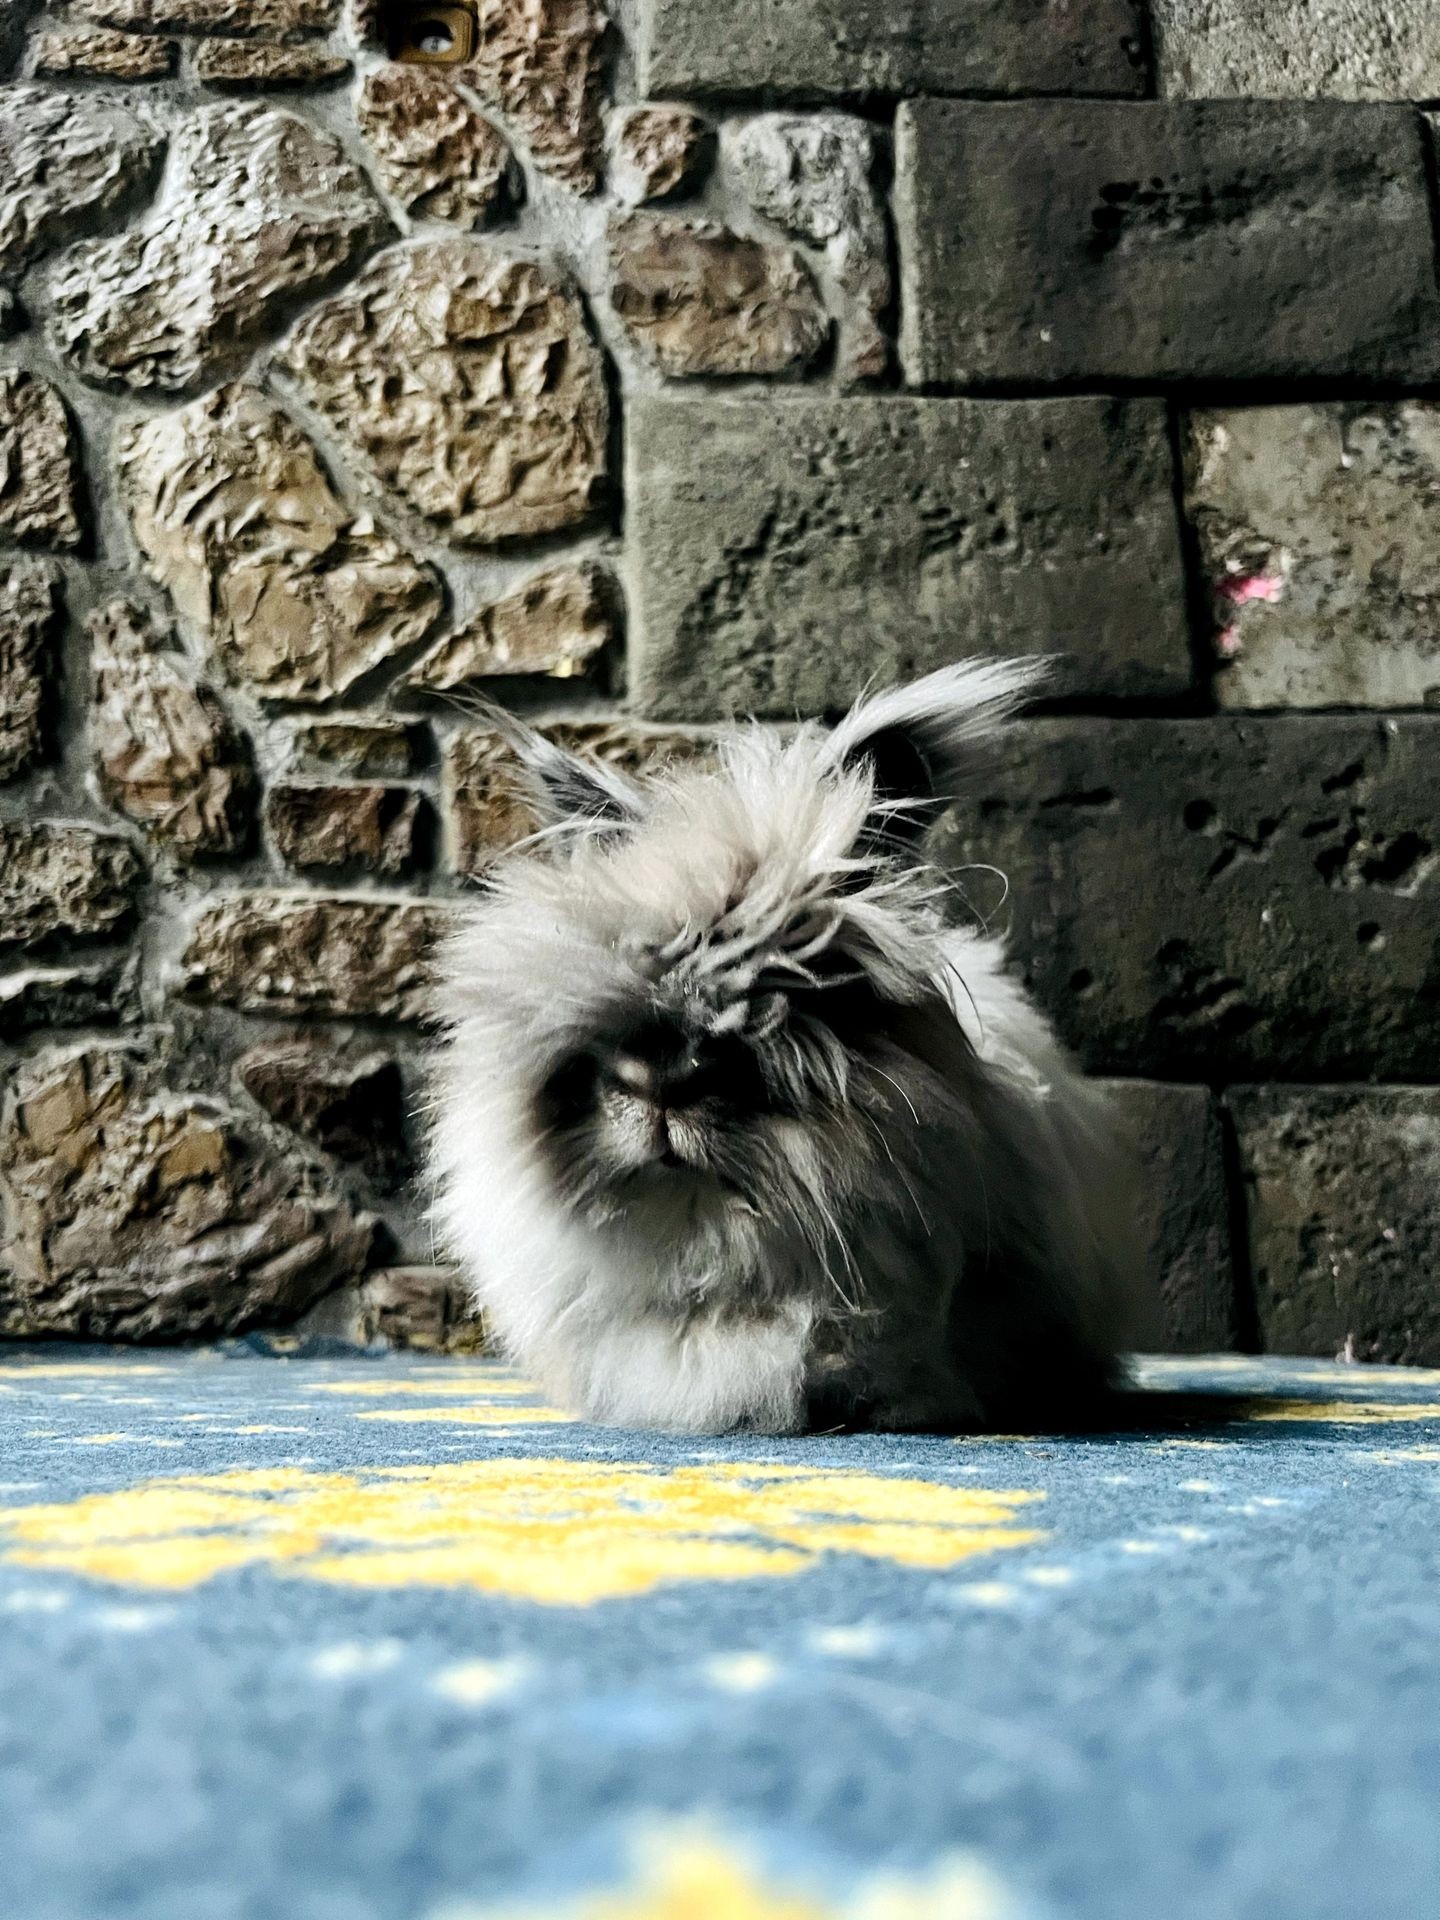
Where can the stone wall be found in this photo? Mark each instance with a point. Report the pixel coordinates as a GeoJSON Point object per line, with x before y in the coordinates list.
{"type": "Point", "coordinates": [640, 370]}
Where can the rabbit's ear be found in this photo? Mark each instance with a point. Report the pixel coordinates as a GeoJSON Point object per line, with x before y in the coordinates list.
{"type": "Point", "coordinates": [920, 741]}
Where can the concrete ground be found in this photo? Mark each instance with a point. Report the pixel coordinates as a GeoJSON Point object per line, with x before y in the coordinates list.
{"type": "Point", "coordinates": [389, 1640]}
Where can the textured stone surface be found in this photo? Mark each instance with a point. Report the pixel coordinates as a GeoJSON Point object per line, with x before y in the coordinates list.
{"type": "Point", "coordinates": [701, 299]}
{"type": "Point", "coordinates": [242, 64]}
{"type": "Point", "coordinates": [1318, 529]}
{"type": "Point", "coordinates": [466, 380]}
{"type": "Point", "coordinates": [1184, 1210]}
{"type": "Point", "coordinates": [1275, 49]}
{"type": "Point", "coordinates": [321, 828]}
{"type": "Point", "coordinates": [660, 153]}
{"type": "Point", "coordinates": [556, 623]}
{"type": "Point", "coordinates": [313, 953]}
{"type": "Point", "coordinates": [278, 17]}
{"type": "Point", "coordinates": [29, 618]}
{"type": "Point", "coordinates": [101, 53]}
{"type": "Point", "coordinates": [39, 474]}
{"type": "Point", "coordinates": [166, 754]}
{"type": "Point", "coordinates": [785, 555]}
{"type": "Point", "coordinates": [1224, 898]}
{"type": "Point", "coordinates": [540, 63]}
{"type": "Point", "coordinates": [349, 1101]}
{"type": "Point", "coordinates": [257, 208]}
{"type": "Point", "coordinates": [371, 746]}
{"type": "Point", "coordinates": [814, 175]}
{"type": "Point", "coordinates": [1066, 240]}
{"type": "Point", "coordinates": [133, 1212]}
{"type": "Point", "coordinates": [818, 48]}
{"type": "Point", "coordinates": [1344, 1203]}
{"type": "Point", "coordinates": [484, 808]}
{"type": "Point", "coordinates": [297, 596]}
{"type": "Point", "coordinates": [43, 999]}
{"type": "Point", "coordinates": [61, 879]}
{"type": "Point", "coordinates": [66, 162]}
{"type": "Point", "coordinates": [440, 158]}
{"type": "Point", "coordinates": [425, 1308]}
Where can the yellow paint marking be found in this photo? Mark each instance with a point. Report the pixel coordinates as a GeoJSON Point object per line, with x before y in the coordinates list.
{"type": "Point", "coordinates": [481, 1416]}
{"type": "Point", "coordinates": [1349, 1413]}
{"type": "Point", "coordinates": [74, 1369]}
{"type": "Point", "coordinates": [560, 1532]}
{"type": "Point", "coordinates": [471, 1386]}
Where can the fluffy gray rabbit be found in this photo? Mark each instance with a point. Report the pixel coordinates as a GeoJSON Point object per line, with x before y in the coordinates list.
{"type": "Point", "coordinates": [735, 1129]}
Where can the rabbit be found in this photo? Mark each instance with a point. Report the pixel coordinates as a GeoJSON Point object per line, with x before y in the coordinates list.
{"type": "Point", "coordinates": [734, 1129]}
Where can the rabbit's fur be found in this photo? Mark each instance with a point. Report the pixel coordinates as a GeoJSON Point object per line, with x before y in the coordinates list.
{"type": "Point", "coordinates": [733, 1129]}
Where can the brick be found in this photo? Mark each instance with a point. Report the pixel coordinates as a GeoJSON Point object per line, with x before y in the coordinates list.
{"type": "Point", "coordinates": [1281, 49]}
{"type": "Point", "coordinates": [786, 554]}
{"type": "Point", "coordinates": [1184, 1211]}
{"type": "Point", "coordinates": [823, 49]}
{"type": "Point", "coordinates": [1318, 531]}
{"type": "Point", "coordinates": [1167, 240]}
{"type": "Point", "coordinates": [1344, 1203]}
{"type": "Point", "coordinates": [1222, 898]}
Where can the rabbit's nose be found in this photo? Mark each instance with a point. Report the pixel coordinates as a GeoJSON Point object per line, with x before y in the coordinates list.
{"type": "Point", "coordinates": [672, 1080]}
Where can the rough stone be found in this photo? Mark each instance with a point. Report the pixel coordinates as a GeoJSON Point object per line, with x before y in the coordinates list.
{"type": "Point", "coordinates": [257, 208]}
{"type": "Point", "coordinates": [541, 65]}
{"type": "Point", "coordinates": [485, 809]}
{"type": "Point", "coordinates": [102, 54]}
{"type": "Point", "coordinates": [426, 1309]}
{"type": "Point", "coordinates": [242, 64]}
{"type": "Point", "coordinates": [1344, 1203]}
{"type": "Point", "coordinates": [1184, 1211]}
{"type": "Point", "coordinates": [1318, 529]}
{"type": "Point", "coordinates": [814, 175]}
{"type": "Point", "coordinates": [56, 878]}
{"type": "Point", "coordinates": [276, 17]}
{"type": "Point", "coordinates": [555, 624]}
{"type": "Point", "coordinates": [660, 153]}
{"type": "Point", "coordinates": [66, 162]}
{"type": "Point", "coordinates": [467, 382]}
{"type": "Point", "coordinates": [133, 1212]}
{"type": "Point", "coordinates": [1167, 240]}
{"type": "Point", "coordinates": [1310, 49]}
{"type": "Point", "coordinates": [349, 1101]}
{"type": "Point", "coordinates": [370, 746]}
{"type": "Point", "coordinates": [297, 596]}
{"type": "Point", "coordinates": [323, 828]}
{"type": "Point", "coordinates": [440, 158]}
{"type": "Point", "coordinates": [817, 49]}
{"type": "Point", "coordinates": [1224, 898]}
{"type": "Point", "coordinates": [701, 299]}
{"type": "Point", "coordinates": [43, 999]}
{"type": "Point", "coordinates": [786, 555]}
{"type": "Point", "coordinates": [309, 953]}
{"type": "Point", "coordinates": [166, 755]}
{"type": "Point", "coordinates": [29, 618]}
{"type": "Point", "coordinates": [39, 475]}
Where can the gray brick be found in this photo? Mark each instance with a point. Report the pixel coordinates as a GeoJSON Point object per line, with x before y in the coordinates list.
{"type": "Point", "coordinates": [1164, 240]}
{"type": "Point", "coordinates": [822, 49]}
{"type": "Point", "coordinates": [1227, 898]}
{"type": "Point", "coordinates": [1184, 1211]}
{"type": "Point", "coordinates": [1318, 530]}
{"type": "Point", "coordinates": [1284, 49]}
{"type": "Point", "coordinates": [1344, 1201]}
{"type": "Point", "coordinates": [784, 554]}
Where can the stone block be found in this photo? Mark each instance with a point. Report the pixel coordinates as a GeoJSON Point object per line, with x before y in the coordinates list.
{"type": "Point", "coordinates": [43, 999]}
{"type": "Point", "coordinates": [59, 879]}
{"type": "Point", "coordinates": [349, 1101]}
{"type": "Point", "coordinates": [278, 17]}
{"type": "Point", "coordinates": [823, 49]}
{"type": "Point", "coordinates": [556, 623]}
{"type": "Point", "coordinates": [1318, 531]}
{"type": "Point", "coordinates": [440, 158]}
{"type": "Point", "coordinates": [1220, 899]}
{"type": "Point", "coordinates": [67, 162]}
{"type": "Point", "coordinates": [346, 957]}
{"type": "Point", "coordinates": [424, 1309]}
{"type": "Point", "coordinates": [321, 827]}
{"type": "Point", "coordinates": [99, 53]}
{"type": "Point", "coordinates": [1281, 49]}
{"type": "Point", "coordinates": [1184, 1210]}
{"type": "Point", "coordinates": [30, 606]}
{"type": "Point", "coordinates": [39, 470]}
{"type": "Point", "coordinates": [240, 65]}
{"type": "Point", "coordinates": [660, 153]}
{"type": "Point", "coordinates": [1344, 1201]}
{"type": "Point", "coordinates": [786, 555]}
{"type": "Point", "coordinates": [369, 746]}
{"type": "Point", "coordinates": [1072, 240]}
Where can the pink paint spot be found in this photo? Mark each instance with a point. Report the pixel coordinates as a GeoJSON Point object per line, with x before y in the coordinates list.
{"type": "Point", "coordinates": [1228, 643]}
{"type": "Point", "coordinates": [1239, 588]}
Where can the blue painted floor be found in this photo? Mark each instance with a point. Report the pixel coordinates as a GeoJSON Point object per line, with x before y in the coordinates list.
{"type": "Point", "coordinates": [388, 1640]}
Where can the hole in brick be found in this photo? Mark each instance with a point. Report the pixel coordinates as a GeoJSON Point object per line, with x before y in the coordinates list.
{"type": "Point", "coordinates": [1199, 816]}
{"type": "Point", "coordinates": [1370, 936]}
